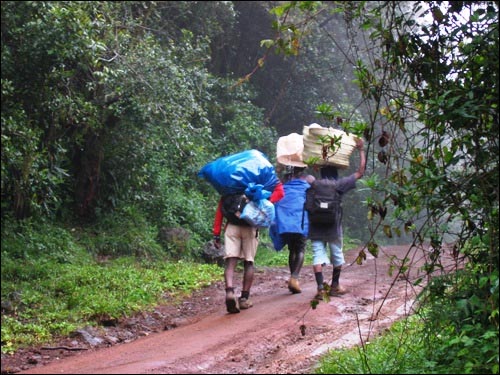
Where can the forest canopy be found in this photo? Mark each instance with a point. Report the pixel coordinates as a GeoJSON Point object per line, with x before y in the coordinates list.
{"type": "Point", "coordinates": [109, 110]}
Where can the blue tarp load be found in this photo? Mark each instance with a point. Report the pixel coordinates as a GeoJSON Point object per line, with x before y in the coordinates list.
{"type": "Point", "coordinates": [234, 173]}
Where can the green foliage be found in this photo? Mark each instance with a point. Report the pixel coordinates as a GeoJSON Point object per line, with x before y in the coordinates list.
{"type": "Point", "coordinates": [463, 309]}
{"type": "Point", "coordinates": [109, 109]}
{"type": "Point", "coordinates": [71, 296]}
{"type": "Point", "coordinates": [420, 344]}
{"type": "Point", "coordinates": [118, 119]}
{"type": "Point", "coordinates": [109, 113]}
{"type": "Point", "coordinates": [268, 257]}
{"type": "Point", "coordinates": [46, 52]}
{"type": "Point", "coordinates": [429, 78]}
{"type": "Point", "coordinates": [105, 124]}
{"type": "Point", "coordinates": [123, 232]}
{"type": "Point", "coordinates": [31, 247]}
{"type": "Point", "coordinates": [401, 350]}
{"type": "Point", "coordinates": [51, 285]}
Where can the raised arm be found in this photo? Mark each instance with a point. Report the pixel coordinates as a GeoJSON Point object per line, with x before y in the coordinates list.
{"type": "Point", "coordinates": [362, 159]}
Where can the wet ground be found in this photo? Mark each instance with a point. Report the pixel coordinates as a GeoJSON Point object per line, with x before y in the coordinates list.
{"type": "Point", "coordinates": [282, 333]}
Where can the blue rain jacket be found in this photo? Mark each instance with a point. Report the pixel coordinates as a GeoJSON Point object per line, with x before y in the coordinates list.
{"type": "Point", "coordinates": [290, 214]}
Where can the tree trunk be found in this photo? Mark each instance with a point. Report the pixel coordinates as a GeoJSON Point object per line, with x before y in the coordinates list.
{"type": "Point", "coordinates": [87, 176]}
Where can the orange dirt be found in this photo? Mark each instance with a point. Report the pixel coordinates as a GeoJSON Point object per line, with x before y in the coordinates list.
{"type": "Point", "coordinates": [198, 336]}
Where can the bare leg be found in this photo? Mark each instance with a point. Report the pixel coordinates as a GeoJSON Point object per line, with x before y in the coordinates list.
{"type": "Point", "coordinates": [229, 271]}
{"type": "Point", "coordinates": [228, 278]}
{"type": "Point", "coordinates": [299, 261]}
{"type": "Point", "coordinates": [248, 276]}
{"type": "Point", "coordinates": [291, 259]}
{"type": "Point", "coordinates": [298, 249]}
{"type": "Point", "coordinates": [244, 300]}
{"type": "Point", "coordinates": [296, 260]}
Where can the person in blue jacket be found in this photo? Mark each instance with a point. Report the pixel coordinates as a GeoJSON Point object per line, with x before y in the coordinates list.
{"type": "Point", "coordinates": [292, 223]}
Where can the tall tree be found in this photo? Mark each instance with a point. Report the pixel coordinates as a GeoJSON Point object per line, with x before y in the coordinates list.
{"type": "Point", "coordinates": [110, 105]}
{"type": "Point", "coordinates": [429, 78]}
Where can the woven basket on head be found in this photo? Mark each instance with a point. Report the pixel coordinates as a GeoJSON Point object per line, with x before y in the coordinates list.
{"type": "Point", "coordinates": [313, 146]}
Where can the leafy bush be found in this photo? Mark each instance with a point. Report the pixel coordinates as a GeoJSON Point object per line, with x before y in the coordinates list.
{"type": "Point", "coordinates": [72, 296]}
{"type": "Point", "coordinates": [465, 327]}
{"type": "Point", "coordinates": [452, 333]}
{"type": "Point", "coordinates": [32, 249]}
{"type": "Point", "coordinates": [123, 232]}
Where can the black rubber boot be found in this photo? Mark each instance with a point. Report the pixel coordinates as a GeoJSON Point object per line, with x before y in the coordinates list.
{"type": "Point", "coordinates": [335, 288]}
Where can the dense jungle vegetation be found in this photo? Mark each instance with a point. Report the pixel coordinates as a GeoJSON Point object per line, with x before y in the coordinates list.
{"type": "Point", "coordinates": [109, 110]}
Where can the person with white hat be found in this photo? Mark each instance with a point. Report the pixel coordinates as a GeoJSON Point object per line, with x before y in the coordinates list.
{"type": "Point", "coordinates": [291, 218]}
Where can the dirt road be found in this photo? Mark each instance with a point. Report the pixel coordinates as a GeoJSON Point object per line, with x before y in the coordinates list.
{"type": "Point", "coordinates": [264, 339]}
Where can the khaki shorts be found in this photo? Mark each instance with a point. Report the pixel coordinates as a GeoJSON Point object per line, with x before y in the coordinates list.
{"type": "Point", "coordinates": [240, 242]}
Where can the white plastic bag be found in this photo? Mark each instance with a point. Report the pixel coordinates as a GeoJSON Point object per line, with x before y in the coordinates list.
{"type": "Point", "coordinates": [259, 213]}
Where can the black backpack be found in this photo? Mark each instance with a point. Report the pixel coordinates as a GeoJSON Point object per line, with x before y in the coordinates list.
{"type": "Point", "coordinates": [323, 202]}
{"type": "Point", "coordinates": [233, 204]}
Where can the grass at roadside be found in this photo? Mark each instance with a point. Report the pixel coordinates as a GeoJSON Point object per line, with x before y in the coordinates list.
{"type": "Point", "coordinates": [52, 285]}
{"type": "Point", "coordinates": [401, 350]}
{"type": "Point", "coordinates": [72, 296]}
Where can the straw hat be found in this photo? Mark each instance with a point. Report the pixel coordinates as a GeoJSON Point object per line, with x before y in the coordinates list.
{"type": "Point", "coordinates": [289, 150]}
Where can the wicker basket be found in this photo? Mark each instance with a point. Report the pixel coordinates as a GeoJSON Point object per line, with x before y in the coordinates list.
{"type": "Point", "coordinates": [313, 147]}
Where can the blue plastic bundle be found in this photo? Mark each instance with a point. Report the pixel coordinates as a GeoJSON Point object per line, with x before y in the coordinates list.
{"type": "Point", "coordinates": [233, 173]}
{"type": "Point", "coordinates": [256, 192]}
{"type": "Point", "coordinates": [258, 213]}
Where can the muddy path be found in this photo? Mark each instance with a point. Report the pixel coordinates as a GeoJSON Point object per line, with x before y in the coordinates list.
{"type": "Point", "coordinates": [199, 337]}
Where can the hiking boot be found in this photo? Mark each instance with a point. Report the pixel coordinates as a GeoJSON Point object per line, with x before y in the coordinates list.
{"type": "Point", "coordinates": [320, 295]}
{"type": "Point", "coordinates": [293, 286]}
{"type": "Point", "coordinates": [337, 290]}
{"type": "Point", "coordinates": [231, 306]}
{"type": "Point", "coordinates": [244, 303]}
